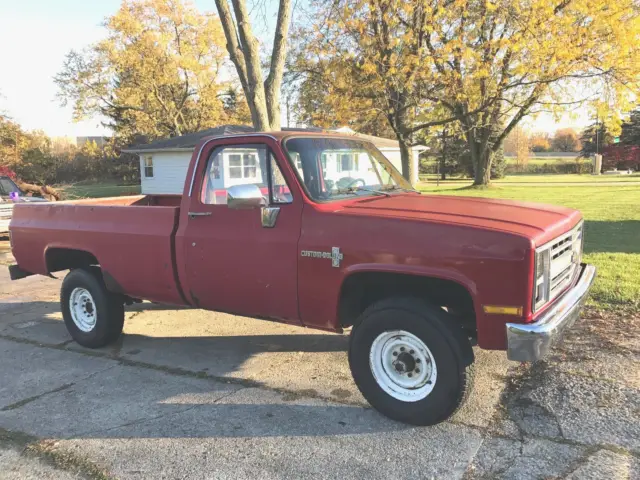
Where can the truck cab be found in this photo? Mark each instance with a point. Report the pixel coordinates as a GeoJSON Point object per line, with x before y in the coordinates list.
{"type": "Point", "coordinates": [321, 230]}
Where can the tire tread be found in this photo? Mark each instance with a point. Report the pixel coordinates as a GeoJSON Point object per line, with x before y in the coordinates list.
{"type": "Point", "coordinates": [458, 342]}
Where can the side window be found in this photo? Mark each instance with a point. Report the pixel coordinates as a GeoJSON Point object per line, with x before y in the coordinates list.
{"type": "Point", "coordinates": [148, 167]}
{"type": "Point", "coordinates": [243, 165]}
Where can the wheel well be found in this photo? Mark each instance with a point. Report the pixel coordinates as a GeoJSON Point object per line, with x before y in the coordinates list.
{"type": "Point", "coordinates": [66, 258]}
{"type": "Point", "coordinates": [362, 289]}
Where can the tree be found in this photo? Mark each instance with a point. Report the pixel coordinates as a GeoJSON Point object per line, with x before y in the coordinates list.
{"type": "Point", "coordinates": [517, 145]}
{"type": "Point", "coordinates": [447, 147]}
{"type": "Point", "coordinates": [566, 140]}
{"type": "Point", "coordinates": [539, 142]}
{"type": "Point", "coordinates": [369, 56]}
{"type": "Point", "coordinates": [325, 100]}
{"type": "Point", "coordinates": [484, 64]}
{"type": "Point", "coordinates": [263, 96]}
{"type": "Point", "coordinates": [630, 134]}
{"type": "Point", "coordinates": [594, 138]}
{"type": "Point", "coordinates": [156, 74]}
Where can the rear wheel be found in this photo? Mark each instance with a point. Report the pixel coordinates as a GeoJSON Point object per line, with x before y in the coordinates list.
{"type": "Point", "coordinates": [93, 316]}
{"type": "Point", "coordinates": [409, 362]}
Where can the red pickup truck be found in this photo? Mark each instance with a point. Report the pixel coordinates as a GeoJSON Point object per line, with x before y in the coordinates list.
{"type": "Point", "coordinates": [320, 230]}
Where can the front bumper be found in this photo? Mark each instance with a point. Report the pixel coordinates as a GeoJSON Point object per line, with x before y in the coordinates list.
{"type": "Point", "coordinates": [528, 342]}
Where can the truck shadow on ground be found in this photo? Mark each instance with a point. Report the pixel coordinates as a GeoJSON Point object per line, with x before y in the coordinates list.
{"type": "Point", "coordinates": [29, 317]}
{"type": "Point", "coordinates": [152, 393]}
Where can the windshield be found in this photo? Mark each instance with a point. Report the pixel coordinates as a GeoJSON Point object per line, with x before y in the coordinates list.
{"type": "Point", "coordinates": [7, 186]}
{"type": "Point", "coordinates": [337, 168]}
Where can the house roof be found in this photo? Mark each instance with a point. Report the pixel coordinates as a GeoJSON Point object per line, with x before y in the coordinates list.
{"type": "Point", "coordinates": [189, 141]}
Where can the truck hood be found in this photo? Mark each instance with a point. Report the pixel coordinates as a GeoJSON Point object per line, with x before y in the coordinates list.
{"type": "Point", "coordinates": [539, 222]}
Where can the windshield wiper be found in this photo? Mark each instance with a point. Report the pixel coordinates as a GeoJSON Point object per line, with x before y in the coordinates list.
{"type": "Point", "coordinates": [353, 190]}
{"type": "Point", "coordinates": [408, 190]}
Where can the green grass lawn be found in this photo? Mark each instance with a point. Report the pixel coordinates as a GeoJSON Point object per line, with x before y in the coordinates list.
{"type": "Point", "coordinates": [612, 233]}
{"type": "Point", "coordinates": [97, 190]}
{"type": "Point", "coordinates": [569, 178]}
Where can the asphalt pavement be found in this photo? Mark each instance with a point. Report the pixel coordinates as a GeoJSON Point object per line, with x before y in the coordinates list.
{"type": "Point", "coordinates": [193, 394]}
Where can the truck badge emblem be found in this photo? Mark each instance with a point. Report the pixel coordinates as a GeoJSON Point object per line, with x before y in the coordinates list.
{"type": "Point", "coordinates": [334, 255]}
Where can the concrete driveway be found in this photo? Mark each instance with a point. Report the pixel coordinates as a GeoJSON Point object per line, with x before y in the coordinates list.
{"type": "Point", "coordinates": [193, 394]}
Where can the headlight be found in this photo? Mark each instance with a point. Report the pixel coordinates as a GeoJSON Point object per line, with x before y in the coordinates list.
{"type": "Point", "coordinates": [542, 284]}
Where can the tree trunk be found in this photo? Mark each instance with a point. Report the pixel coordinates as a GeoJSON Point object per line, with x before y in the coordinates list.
{"type": "Point", "coordinates": [273, 82]}
{"type": "Point", "coordinates": [406, 158]}
{"type": "Point", "coordinates": [483, 169]}
{"type": "Point", "coordinates": [258, 107]}
{"type": "Point", "coordinates": [243, 47]}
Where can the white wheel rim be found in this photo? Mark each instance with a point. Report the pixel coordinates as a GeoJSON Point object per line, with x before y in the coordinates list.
{"type": "Point", "coordinates": [403, 365]}
{"type": "Point", "coordinates": [83, 309]}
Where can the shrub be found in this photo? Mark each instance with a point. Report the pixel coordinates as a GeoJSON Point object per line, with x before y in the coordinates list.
{"type": "Point", "coordinates": [580, 167]}
{"type": "Point", "coordinates": [7, 172]}
{"type": "Point", "coordinates": [622, 157]}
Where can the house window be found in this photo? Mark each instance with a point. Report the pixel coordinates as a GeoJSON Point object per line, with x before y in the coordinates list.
{"type": "Point", "coordinates": [347, 162]}
{"type": "Point", "coordinates": [148, 167]}
{"type": "Point", "coordinates": [243, 166]}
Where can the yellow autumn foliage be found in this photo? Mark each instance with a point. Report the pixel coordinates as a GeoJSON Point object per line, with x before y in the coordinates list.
{"type": "Point", "coordinates": [482, 64]}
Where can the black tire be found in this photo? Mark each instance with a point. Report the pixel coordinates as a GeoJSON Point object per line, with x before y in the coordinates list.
{"type": "Point", "coordinates": [109, 309]}
{"type": "Point", "coordinates": [449, 347]}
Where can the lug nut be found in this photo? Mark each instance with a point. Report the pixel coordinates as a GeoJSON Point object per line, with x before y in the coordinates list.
{"type": "Point", "coordinates": [417, 370]}
{"type": "Point", "coordinates": [402, 349]}
{"type": "Point", "coordinates": [418, 360]}
{"type": "Point", "coordinates": [411, 352]}
{"type": "Point", "coordinates": [410, 375]}
{"type": "Point", "coordinates": [395, 354]}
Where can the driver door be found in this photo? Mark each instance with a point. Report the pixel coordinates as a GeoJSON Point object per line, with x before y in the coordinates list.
{"type": "Point", "coordinates": [234, 261]}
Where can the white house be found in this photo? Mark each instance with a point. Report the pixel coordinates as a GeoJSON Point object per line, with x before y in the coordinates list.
{"type": "Point", "coordinates": [164, 163]}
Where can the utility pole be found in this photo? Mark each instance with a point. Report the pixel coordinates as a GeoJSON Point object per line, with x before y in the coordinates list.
{"type": "Point", "coordinates": [444, 156]}
{"type": "Point", "coordinates": [597, 134]}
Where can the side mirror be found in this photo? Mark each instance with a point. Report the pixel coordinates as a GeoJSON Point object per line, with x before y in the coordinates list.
{"type": "Point", "coordinates": [244, 196]}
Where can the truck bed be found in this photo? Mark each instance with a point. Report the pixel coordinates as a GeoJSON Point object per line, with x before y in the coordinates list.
{"type": "Point", "coordinates": [132, 238]}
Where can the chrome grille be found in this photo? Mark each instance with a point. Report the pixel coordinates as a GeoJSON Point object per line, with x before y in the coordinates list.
{"type": "Point", "coordinates": [566, 254]}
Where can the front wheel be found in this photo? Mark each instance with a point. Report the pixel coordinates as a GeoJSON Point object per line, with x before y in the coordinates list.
{"type": "Point", "coordinates": [410, 362]}
{"type": "Point", "coordinates": [93, 316]}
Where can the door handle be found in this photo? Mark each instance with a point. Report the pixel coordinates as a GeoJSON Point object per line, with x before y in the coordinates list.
{"type": "Point", "coordinates": [199, 214]}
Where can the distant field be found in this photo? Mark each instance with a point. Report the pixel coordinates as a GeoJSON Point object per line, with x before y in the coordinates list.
{"type": "Point", "coordinates": [612, 232]}
{"type": "Point", "coordinates": [549, 160]}
{"type": "Point", "coordinates": [533, 160]}
{"type": "Point", "coordinates": [98, 190]}
{"type": "Point", "coordinates": [541, 178]}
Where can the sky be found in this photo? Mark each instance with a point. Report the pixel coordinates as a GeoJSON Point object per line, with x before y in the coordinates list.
{"type": "Point", "coordinates": [35, 36]}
